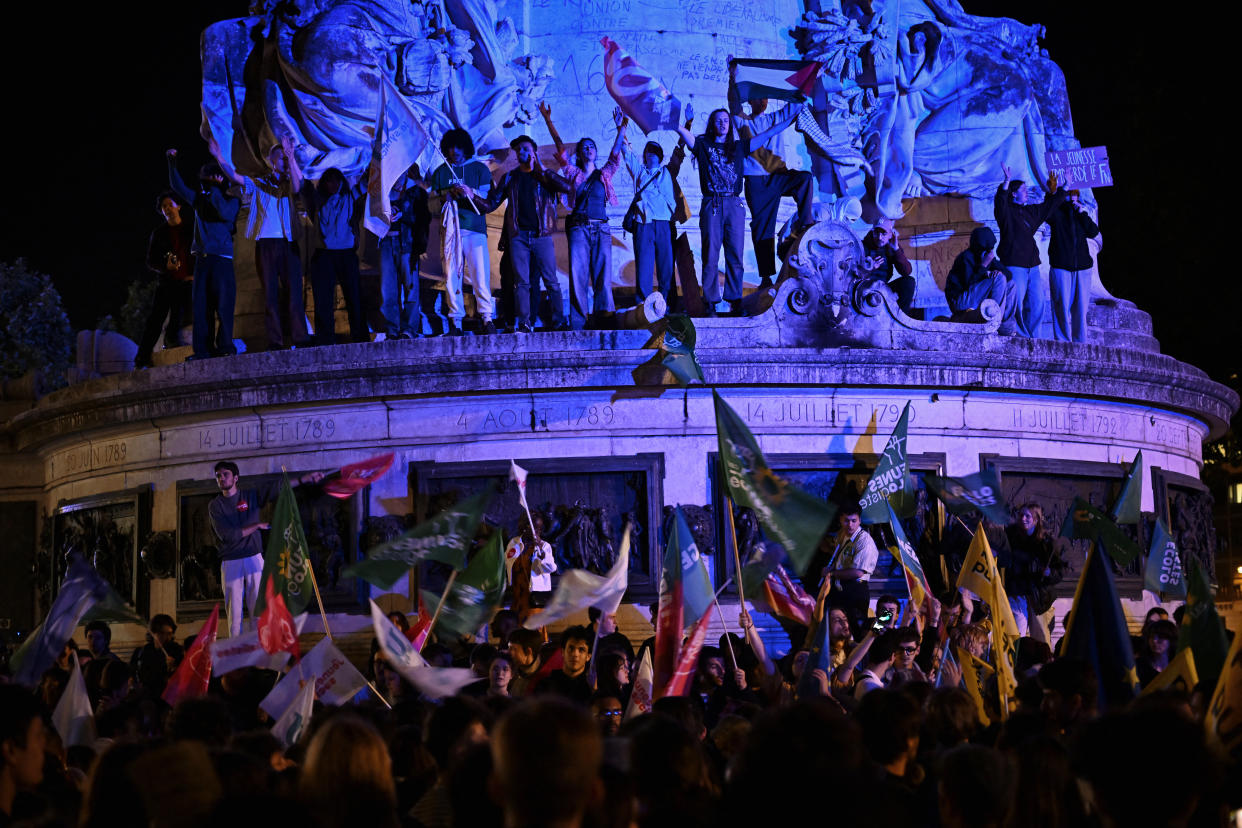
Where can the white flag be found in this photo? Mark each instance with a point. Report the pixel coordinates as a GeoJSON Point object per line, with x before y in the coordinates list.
{"type": "Point", "coordinates": [518, 475]}
{"type": "Point", "coordinates": [640, 694]}
{"type": "Point", "coordinates": [432, 682]}
{"type": "Point", "coordinates": [400, 140]}
{"type": "Point", "coordinates": [336, 679]}
{"type": "Point", "coordinates": [73, 718]}
{"type": "Point", "coordinates": [246, 651]}
{"type": "Point", "coordinates": [292, 723]}
{"type": "Point", "coordinates": [580, 589]}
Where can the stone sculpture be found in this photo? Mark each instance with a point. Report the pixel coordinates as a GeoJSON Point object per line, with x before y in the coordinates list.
{"type": "Point", "coordinates": [318, 71]}
{"type": "Point", "coordinates": [922, 98]}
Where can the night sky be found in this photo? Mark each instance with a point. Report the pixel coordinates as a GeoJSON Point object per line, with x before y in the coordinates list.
{"type": "Point", "coordinates": [90, 113]}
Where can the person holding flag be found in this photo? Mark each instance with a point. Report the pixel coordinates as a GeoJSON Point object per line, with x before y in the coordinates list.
{"type": "Point", "coordinates": [852, 563]}
{"type": "Point", "coordinates": [235, 521]}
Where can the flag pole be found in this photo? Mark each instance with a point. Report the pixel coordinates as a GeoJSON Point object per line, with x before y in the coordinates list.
{"type": "Point", "coordinates": [310, 569]}
{"type": "Point", "coordinates": [447, 589]}
{"type": "Point", "coordinates": [737, 557]}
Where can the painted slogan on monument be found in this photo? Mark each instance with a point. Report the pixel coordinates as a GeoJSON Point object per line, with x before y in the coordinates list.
{"type": "Point", "coordinates": [1080, 169]}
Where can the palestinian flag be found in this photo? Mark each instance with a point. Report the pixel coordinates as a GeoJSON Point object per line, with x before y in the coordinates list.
{"type": "Point", "coordinates": [786, 80]}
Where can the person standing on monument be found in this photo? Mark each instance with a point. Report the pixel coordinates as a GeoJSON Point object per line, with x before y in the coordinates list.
{"type": "Point", "coordinates": [333, 207]}
{"type": "Point", "coordinates": [215, 288]}
{"type": "Point", "coordinates": [1070, 272]}
{"type": "Point", "coordinates": [530, 221]}
{"type": "Point", "coordinates": [655, 200]}
{"type": "Point", "coordinates": [586, 227]}
{"type": "Point", "coordinates": [168, 256]}
{"type": "Point", "coordinates": [1018, 222]}
{"type": "Point", "coordinates": [721, 155]}
{"type": "Point", "coordinates": [400, 250]}
{"type": "Point", "coordinates": [235, 522]}
{"type": "Point", "coordinates": [269, 225]}
{"type": "Point", "coordinates": [464, 183]}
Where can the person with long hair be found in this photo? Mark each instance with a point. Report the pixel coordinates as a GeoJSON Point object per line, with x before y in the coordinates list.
{"type": "Point", "coordinates": [1031, 568]}
{"type": "Point", "coordinates": [347, 775]}
{"type": "Point", "coordinates": [334, 208]}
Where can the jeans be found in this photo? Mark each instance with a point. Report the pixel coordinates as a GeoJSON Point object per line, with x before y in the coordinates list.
{"type": "Point", "coordinates": [653, 246]}
{"type": "Point", "coordinates": [474, 251]}
{"type": "Point", "coordinates": [172, 298]}
{"type": "Point", "coordinates": [280, 274]}
{"type": "Point", "coordinates": [398, 289]}
{"type": "Point", "coordinates": [327, 268]}
{"type": "Point", "coordinates": [590, 269]}
{"type": "Point", "coordinates": [1029, 292]}
{"type": "Point", "coordinates": [1071, 295]}
{"type": "Point", "coordinates": [215, 293]}
{"type": "Point", "coordinates": [995, 287]}
{"type": "Point", "coordinates": [534, 261]}
{"type": "Point", "coordinates": [241, 585]}
{"type": "Point", "coordinates": [763, 196]}
{"type": "Point", "coordinates": [722, 220]}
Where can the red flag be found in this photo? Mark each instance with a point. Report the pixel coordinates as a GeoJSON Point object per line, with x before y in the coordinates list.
{"type": "Point", "coordinates": [354, 476]}
{"type": "Point", "coordinates": [276, 632]}
{"type": "Point", "coordinates": [555, 662]}
{"type": "Point", "coordinates": [785, 598]}
{"type": "Point", "coordinates": [640, 94]}
{"type": "Point", "coordinates": [668, 634]}
{"type": "Point", "coordinates": [191, 678]}
{"type": "Point", "coordinates": [679, 685]}
{"type": "Point", "coordinates": [417, 634]}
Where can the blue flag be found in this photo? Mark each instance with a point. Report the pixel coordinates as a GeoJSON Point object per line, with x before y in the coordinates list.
{"type": "Point", "coordinates": [81, 590]}
{"type": "Point", "coordinates": [683, 561]}
{"type": "Point", "coordinates": [1097, 632]}
{"type": "Point", "coordinates": [819, 659]}
{"type": "Point", "coordinates": [1163, 574]}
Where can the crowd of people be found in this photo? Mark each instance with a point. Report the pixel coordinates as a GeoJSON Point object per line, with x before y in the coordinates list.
{"type": "Point", "coordinates": [558, 730]}
{"type": "Point", "coordinates": [740, 172]}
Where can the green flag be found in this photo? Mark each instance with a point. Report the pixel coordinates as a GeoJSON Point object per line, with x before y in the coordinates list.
{"type": "Point", "coordinates": [979, 492]}
{"type": "Point", "coordinates": [1163, 573]}
{"type": "Point", "coordinates": [678, 343]}
{"type": "Point", "coordinates": [1127, 507]}
{"type": "Point", "coordinates": [287, 559]}
{"type": "Point", "coordinates": [475, 594]}
{"type": "Point", "coordinates": [1085, 522]}
{"type": "Point", "coordinates": [113, 608]}
{"type": "Point", "coordinates": [891, 478]}
{"type": "Point", "coordinates": [1202, 628]}
{"type": "Point", "coordinates": [792, 518]}
{"type": "Point", "coordinates": [445, 538]}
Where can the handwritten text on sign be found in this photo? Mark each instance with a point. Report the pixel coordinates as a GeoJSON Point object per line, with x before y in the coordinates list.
{"type": "Point", "coordinates": [1080, 168]}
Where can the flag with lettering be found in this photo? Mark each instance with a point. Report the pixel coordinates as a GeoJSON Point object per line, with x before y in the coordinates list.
{"type": "Point", "coordinates": [891, 478]}
{"type": "Point", "coordinates": [1224, 713]}
{"type": "Point", "coordinates": [231, 654]}
{"type": "Point", "coordinates": [688, 660]}
{"type": "Point", "coordinates": [1202, 627]}
{"type": "Point", "coordinates": [786, 80]}
{"type": "Point", "coordinates": [286, 563]}
{"type": "Point", "coordinates": [916, 580]}
{"type": "Point", "coordinates": [476, 594]}
{"type": "Point", "coordinates": [640, 693]}
{"type": "Point", "coordinates": [275, 628]}
{"type": "Point", "coordinates": [399, 140]}
{"type": "Point", "coordinates": [981, 576]}
{"type": "Point", "coordinates": [791, 517]}
{"type": "Point", "coordinates": [432, 682]}
{"type": "Point", "coordinates": [1163, 573]}
{"type": "Point", "coordinates": [1085, 522]}
{"type": "Point", "coordinates": [73, 717]}
{"type": "Point", "coordinates": [640, 94]}
{"type": "Point", "coordinates": [1180, 675]}
{"type": "Point", "coordinates": [194, 673]}
{"type": "Point", "coordinates": [354, 477]}
{"type": "Point", "coordinates": [1128, 508]}
{"type": "Point", "coordinates": [682, 553]}
{"type": "Point", "coordinates": [979, 492]}
{"type": "Point", "coordinates": [1096, 631]}
{"type": "Point", "coordinates": [677, 344]}
{"type": "Point", "coordinates": [579, 589]}
{"type": "Point", "coordinates": [80, 590]}
{"type": "Point", "coordinates": [446, 538]}
{"type": "Point", "coordinates": [294, 721]}
{"type": "Point", "coordinates": [335, 677]}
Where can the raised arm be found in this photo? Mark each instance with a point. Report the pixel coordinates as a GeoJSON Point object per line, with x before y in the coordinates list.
{"type": "Point", "coordinates": [855, 657]}
{"type": "Point", "coordinates": [545, 109]}
{"type": "Point", "coordinates": [174, 178]}
{"type": "Point", "coordinates": [619, 118]}
{"type": "Point", "coordinates": [756, 643]}
{"type": "Point", "coordinates": [295, 172]}
{"type": "Point", "coordinates": [780, 122]}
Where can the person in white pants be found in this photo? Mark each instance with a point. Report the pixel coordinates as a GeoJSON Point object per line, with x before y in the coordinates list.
{"type": "Point", "coordinates": [464, 184]}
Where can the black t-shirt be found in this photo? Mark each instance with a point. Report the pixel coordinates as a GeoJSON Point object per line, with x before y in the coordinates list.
{"type": "Point", "coordinates": [720, 166]}
{"type": "Point", "coordinates": [527, 213]}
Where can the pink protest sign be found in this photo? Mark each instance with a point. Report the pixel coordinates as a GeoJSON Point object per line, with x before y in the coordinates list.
{"type": "Point", "coordinates": [1079, 169]}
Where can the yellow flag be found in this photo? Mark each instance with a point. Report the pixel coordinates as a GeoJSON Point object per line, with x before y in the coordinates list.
{"type": "Point", "coordinates": [980, 575]}
{"type": "Point", "coordinates": [1180, 674]}
{"type": "Point", "coordinates": [1224, 714]}
{"type": "Point", "coordinates": [975, 671]}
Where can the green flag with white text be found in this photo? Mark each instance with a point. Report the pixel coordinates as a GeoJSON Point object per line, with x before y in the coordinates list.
{"type": "Point", "coordinates": [978, 492]}
{"type": "Point", "coordinates": [287, 559]}
{"type": "Point", "coordinates": [891, 478]}
{"type": "Point", "coordinates": [446, 538]}
{"type": "Point", "coordinates": [790, 516]}
{"type": "Point", "coordinates": [475, 594]}
{"type": "Point", "coordinates": [1085, 522]}
{"type": "Point", "coordinates": [1163, 573]}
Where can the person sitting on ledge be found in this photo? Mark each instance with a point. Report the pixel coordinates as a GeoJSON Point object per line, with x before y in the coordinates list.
{"type": "Point", "coordinates": [977, 275]}
{"type": "Point", "coordinates": [882, 255]}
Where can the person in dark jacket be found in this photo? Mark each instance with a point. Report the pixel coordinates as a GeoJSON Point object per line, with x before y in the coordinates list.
{"type": "Point", "coordinates": [333, 207]}
{"type": "Point", "coordinates": [215, 286]}
{"type": "Point", "coordinates": [1070, 274]}
{"type": "Point", "coordinates": [1031, 566]}
{"type": "Point", "coordinates": [168, 256]}
{"type": "Point", "coordinates": [884, 255]}
{"type": "Point", "coordinates": [1018, 221]}
{"type": "Point", "coordinates": [977, 275]}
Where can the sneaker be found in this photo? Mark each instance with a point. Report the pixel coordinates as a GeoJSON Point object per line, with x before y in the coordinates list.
{"type": "Point", "coordinates": [489, 327]}
{"type": "Point", "coordinates": [454, 330]}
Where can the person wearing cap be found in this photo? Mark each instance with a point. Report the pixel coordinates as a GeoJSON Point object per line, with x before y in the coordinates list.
{"type": "Point", "coordinates": [656, 201]}
{"type": "Point", "coordinates": [215, 286]}
{"type": "Point", "coordinates": [530, 221]}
